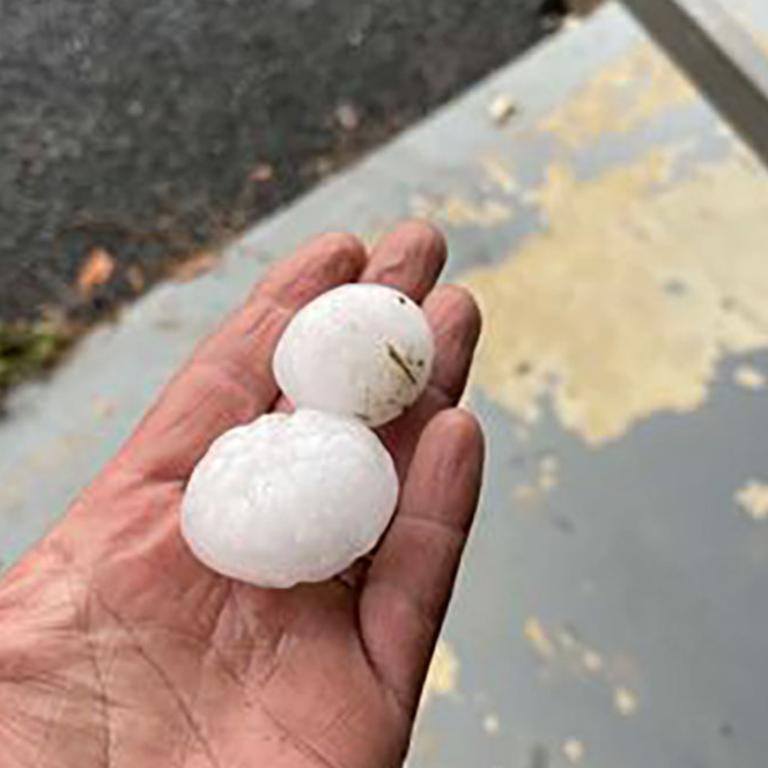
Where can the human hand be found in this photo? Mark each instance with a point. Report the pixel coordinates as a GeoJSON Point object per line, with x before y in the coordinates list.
{"type": "Point", "coordinates": [118, 648]}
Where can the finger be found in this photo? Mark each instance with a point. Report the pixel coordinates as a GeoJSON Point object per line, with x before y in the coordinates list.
{"type": "Point", "coordinates": [409, 258]}
{"type": "Point", "coordinates": [455, 321]}
{"type": "Point", "coordinates": [229, 380]}
{"type": "Point", "coordinates": [409, 583]}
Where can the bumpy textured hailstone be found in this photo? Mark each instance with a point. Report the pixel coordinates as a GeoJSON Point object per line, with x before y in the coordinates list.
{"type": "Point", "coordinates": [289, 498]}
{"type": "Point", "coordinates": [358, 350]}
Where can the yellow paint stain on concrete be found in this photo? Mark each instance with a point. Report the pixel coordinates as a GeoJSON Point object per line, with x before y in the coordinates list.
{"type": "Point", "coordinates": [626, 303]}
{"type": "Point", "coordinates": [498, 173]}
{"type": "Point", "coordinates": [538, 638]}
{"type": "Point", "coordinates": [522, 433]}
{"type": "Point", "coordinates": [749, 377]}
{"type": "Point", "coordinates": [525, 492]}
{"type": "Point", "coordinates": [573, 751]}
{"type": "Point", "coordinates": [459, 211]}
{"type": "Point", "coordinates": [592, 661]}
{"type": "Point", "coordinates": [753, 499]}
{"type": "Point", "coordinates": [567, 640]}
{"type": "Point", "coordinates": [625, 701]}
{"type": "Point", "coordinates": [491, 724]}
{"type": "Point", "coordinates": [443, 676]}
{"type": "Point", "coordinates": [103, 408]}
{"type": "Point", "coordinates": [549, 473]}
{"type": "Point", "coordinates": [547, 478]}
{"type": "Point", "coordinates": [639, 87]}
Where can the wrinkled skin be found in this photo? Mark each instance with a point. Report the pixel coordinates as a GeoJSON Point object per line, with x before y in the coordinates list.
{"type": "Point", "coordinates": [118, 648]}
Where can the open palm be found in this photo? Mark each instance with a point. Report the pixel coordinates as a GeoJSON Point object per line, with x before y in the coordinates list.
{"type": "Point", "coordinates": [118, 648]}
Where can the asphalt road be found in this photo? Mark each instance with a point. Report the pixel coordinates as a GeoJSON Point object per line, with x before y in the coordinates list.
{"type": "Point", "coordinates": [152, 129]}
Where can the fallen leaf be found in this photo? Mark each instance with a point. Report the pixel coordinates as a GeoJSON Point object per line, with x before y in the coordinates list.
{"type": "Point", "coordinates": [96, 270]}
{"type": "Point", "coordinates": [262, 172]}
{"type": "Point", "coordinates": [194, 267]}
{"type": "Point", "coordinates": [347, 117]}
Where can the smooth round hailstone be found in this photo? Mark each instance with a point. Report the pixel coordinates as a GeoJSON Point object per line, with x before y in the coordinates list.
{"type": "Point", "coordinates": [358, 350]}
{"type": "Point", "coordinates": [289, 498]}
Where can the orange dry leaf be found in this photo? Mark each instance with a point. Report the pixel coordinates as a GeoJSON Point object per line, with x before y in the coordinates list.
{"type": "Point", "coordinates": [96, 270]}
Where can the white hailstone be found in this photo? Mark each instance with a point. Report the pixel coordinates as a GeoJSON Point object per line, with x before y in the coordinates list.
{"type": "Point", "coordinates": [289, 498]}
{"type": "Point", "coordinates": [292, 498]}
{"type": "Point", "coordinates": [358, 350]}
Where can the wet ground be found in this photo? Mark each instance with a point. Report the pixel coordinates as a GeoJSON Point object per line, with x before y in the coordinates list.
{"type": "Point", "coordinates": [134, 133]}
